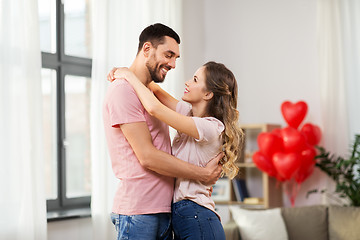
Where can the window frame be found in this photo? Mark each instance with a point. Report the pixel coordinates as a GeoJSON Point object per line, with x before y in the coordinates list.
{"type": "Point", "coordinates": [64, 65]}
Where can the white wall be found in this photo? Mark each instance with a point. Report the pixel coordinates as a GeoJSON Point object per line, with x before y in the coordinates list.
{"type": "Point", "coordinates": [193, 38]}
{"type": "Point", "coordinates": [270, 46]}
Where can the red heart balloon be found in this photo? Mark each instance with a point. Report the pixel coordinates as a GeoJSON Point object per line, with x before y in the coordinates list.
{"type": "Point", "coordinates": [280, 178]}
{"type": "Point", "coordinates": [277, 132]}
{"type": "Point", "coordinates": [294, 114]}
{"type": "Point", "coordinates": [307, 164]}
{"type": "Point", "coordinates": [312, 133]}
{"type": "Point", "coordinates": [303, 174]}
{"type": "Point", "coordinates": [269, 143]}
{"type": "Point", "coordinates": [264, 163]}
{"type": "Point", "coordinates": [308, 156]}
{"type": "Point", "coordinates": [293, 140]}
{"type": "Point", "coordinates": [286, 164]}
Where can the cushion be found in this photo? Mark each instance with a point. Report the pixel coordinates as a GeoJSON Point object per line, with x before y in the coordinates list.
{"type": "Point", "coordinates": [344, 223]}
{"type": "Point", "coordinates": [259, 224]}
{"type": "Point", "coordinates": [307, 222]}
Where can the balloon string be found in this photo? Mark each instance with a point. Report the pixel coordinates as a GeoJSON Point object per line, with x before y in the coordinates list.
{"type": "Point", "coordinates": [291, 189]}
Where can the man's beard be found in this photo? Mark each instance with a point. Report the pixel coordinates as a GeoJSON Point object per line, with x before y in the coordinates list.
{"type": "Point", "coordinates": [155, 72]}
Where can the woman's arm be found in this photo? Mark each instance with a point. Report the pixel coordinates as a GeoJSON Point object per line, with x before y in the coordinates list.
{"type": "Point", "coordinates": [155, 108]}
{"type": "Point", "coordinates": [163, 96]}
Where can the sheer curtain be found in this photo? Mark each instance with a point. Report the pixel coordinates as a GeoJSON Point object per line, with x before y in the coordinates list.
{"type": "Point", "coordinates": [350, 12]}
{"type": "Point", "coordinates": [22, 194]}
{"type": "Point", "coordinates": [339, 36]}
{"type": "Point", "coordinates": [333, 82]}
{"type": "Point", "coordinates": [117, 25]}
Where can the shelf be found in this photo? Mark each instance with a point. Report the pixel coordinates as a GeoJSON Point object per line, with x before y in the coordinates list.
{"type": "Point", "coordinates": [243, 205]}
{"type": "Point", "coordinates": [264, 127]}
{"type": "Point", "coordinates": [257, 183]}
{"type": "Point", "coordinates": [246, 165]}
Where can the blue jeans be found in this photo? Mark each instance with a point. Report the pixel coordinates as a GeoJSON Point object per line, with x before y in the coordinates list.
{"type": "Point", "coordinates": [143, 227]}
{"type": "Point", "coordinates": [195, 222]}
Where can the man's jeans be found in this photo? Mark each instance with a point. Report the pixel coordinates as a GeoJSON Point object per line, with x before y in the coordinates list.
{"type": "Point", "coordinates": [192, 221]}
{"type": "Point", "coordinates": [143, 227]}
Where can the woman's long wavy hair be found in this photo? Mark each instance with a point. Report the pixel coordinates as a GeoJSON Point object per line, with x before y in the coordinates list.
{"type": "Point", "coordinates": [221, 81]}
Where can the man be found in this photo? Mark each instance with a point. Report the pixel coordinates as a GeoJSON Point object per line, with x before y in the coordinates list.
{"type": "Point", "coordinates": [139, 145]}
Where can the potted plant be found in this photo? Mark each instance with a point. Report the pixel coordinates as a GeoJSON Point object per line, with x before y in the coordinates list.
{"type": "Point", "coordinates": [345, 172]}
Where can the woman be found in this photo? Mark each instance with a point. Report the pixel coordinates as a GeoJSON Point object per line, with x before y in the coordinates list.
{"type": "Point", "coordinates": [206, 127]}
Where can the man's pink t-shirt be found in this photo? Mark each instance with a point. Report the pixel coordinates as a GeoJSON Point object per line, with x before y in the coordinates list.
{"type": "Point", "coordinates": [198, 152]}
{"type": "Point", "coordinates": [140, 191]}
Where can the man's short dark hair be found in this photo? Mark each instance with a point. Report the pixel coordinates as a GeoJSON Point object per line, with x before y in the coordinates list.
{"type": "Point", "coordinates": [155, 34]}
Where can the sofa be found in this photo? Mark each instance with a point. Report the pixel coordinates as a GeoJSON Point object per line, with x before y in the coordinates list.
{"type": "Point", "coordinates": [318, 222]}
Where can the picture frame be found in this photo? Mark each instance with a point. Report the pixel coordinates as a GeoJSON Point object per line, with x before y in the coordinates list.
{"type": "Point", "coordinates": [221, 190]}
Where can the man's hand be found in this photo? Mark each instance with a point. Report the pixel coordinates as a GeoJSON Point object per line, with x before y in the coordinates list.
{"type": "Point", "coordinates": [110, 76]}
{"type": "Point", "coordinates": [214, 170]}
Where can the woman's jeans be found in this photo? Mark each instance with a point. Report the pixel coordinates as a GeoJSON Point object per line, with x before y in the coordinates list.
{"type": "Point", "coordinates": [143, 227]}
{"type": "Point", "coordinates": [192, 221]}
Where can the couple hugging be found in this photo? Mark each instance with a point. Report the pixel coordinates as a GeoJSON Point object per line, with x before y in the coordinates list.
{"type": "Point", "coordinates": [164, 191]}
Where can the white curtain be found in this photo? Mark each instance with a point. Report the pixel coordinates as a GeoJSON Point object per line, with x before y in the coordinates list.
{"type": "Point", "coordinates": [339, 36]}
{"type": "Point", "coordinates": [22, 194]}
{"type": "Point", "coordinates": [333, 83]}
{"type": "Point", "coordinates": [350, 12]}
{"type": "Point", "coordinates": [117, 25]}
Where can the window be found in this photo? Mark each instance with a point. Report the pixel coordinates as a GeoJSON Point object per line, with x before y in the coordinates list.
{"type": "Point", "coordinates": [66, 84]}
